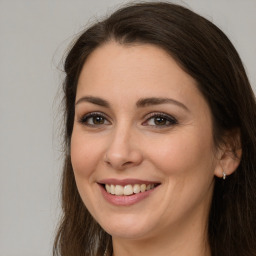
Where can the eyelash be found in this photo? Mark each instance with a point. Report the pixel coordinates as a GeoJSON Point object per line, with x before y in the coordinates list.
{"type": "Point", "coordinates": [84, 119]}
{"type": "Point", "coordinates": [166, 118]}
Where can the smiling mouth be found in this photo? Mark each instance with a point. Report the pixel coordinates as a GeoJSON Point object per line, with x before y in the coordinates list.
{"type": "Point", "coordinates": [128, 189]}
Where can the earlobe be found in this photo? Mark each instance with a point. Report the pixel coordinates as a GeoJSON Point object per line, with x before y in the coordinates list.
{"type": "Point", "coordinates": [228, 163]}
{"type": "Point", "coordinates": [230, 156]}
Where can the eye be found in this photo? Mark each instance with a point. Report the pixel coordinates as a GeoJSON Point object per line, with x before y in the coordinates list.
{"type": "Point", "coordinates": [160, 120]}
{"type": "Point", "coordinates": [94, 119]}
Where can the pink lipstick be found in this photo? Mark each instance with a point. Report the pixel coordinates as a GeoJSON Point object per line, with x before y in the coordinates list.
{"type": "Point", "coordinates": [126, 192]}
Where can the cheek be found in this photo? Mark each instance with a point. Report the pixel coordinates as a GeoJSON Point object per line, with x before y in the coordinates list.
{"type": "Point", "coordinates": [187, 165]}
{"type": "Point", "coordinates": [181, 153]}
{"type": "Point", "coordinates": [85, 155]}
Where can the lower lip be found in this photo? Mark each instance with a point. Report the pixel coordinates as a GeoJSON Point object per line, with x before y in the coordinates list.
{"type": "Point", "coordinates": [125, 200]}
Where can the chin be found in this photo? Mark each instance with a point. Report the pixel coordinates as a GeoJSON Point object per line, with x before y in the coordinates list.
{"type": "Point", "coordinates": [127, 226]}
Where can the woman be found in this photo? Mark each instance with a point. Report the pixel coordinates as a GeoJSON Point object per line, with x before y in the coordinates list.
{"type": "Point", "coordinates": [160, 139]}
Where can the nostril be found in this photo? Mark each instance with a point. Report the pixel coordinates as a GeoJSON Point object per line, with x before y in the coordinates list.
{"type": "Point", "coordinates": [127, 163]}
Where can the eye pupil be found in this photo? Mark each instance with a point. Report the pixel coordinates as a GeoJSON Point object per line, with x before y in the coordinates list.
{"type": "Point", "coordinates": [98, 120]}
{"type": "Point", "coordinates": [160, 121]}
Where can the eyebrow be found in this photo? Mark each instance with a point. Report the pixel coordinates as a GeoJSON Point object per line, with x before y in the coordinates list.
{"type": "Point", "coordinates": [94, 100]}
{"type": "Point", "coordinates": [143, 102]}
{"type": "Point", "coordinates": [157, 101]}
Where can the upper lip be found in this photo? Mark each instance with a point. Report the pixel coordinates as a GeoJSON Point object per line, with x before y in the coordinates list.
{"type": "Point", "coordinates": [124, 182]}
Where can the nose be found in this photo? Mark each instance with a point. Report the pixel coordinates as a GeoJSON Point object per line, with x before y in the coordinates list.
{"type": "Point", "coordinates": [123, 150]}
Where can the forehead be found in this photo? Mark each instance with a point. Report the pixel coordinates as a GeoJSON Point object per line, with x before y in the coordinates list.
{"type": "Point", "coordinates": [141, 70]}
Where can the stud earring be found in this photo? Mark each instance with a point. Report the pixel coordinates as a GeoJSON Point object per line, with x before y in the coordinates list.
{"type": "Point", "coordinates": [224, 175]}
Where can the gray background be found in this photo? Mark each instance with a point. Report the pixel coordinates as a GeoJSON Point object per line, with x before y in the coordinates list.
{"type": "Point", "coordinates": [33, 37]}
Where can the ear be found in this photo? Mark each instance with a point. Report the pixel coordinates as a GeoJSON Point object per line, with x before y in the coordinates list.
{"type": "Point", "coordinates": [229, 154]}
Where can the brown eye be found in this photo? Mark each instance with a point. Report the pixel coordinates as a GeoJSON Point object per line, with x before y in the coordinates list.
{"type": "Point", "coordinates": [98, 120]}
{"type": "Point", "coordinates": [94, 119]}
{"type": "Point", "coordinates": [160, 120]}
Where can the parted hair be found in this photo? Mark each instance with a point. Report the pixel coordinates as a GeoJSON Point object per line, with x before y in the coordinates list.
{"type": "Point", "coordinates": [204, 52]}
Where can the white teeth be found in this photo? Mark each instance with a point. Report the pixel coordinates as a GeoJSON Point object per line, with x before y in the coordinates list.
{"type": "Point", "coordinates": [119, 190]}
{"type": "Point", "coordinates": [136, 189]}
{"type": "Point", "coordinates": [112, 189]}
{"type": "Point", "coordinates": [127, 190]}
{"type": "Point", "coordinates": [107, 188]}
{"type": "Point", "coordinates": [143, 187]}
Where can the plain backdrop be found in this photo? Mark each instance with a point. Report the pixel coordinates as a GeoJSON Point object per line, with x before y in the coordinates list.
{"type": "Point", "coordinates": [34, 35]}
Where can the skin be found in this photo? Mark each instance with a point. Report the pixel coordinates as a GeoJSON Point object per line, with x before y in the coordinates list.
{"type": "Point", "coordinates": [129, 143]}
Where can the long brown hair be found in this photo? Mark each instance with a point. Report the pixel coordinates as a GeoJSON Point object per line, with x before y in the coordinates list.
{"type": "Point", "coordinates": [205, 53]}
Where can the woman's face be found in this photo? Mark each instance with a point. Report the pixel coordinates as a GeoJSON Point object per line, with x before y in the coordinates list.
{"type": "Point", "coordinates": [143, 130]}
